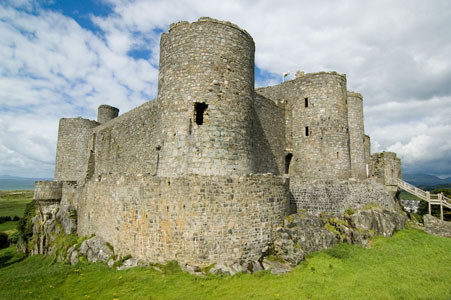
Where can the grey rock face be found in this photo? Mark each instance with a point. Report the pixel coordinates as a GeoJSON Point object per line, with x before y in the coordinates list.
{"type": "Point", "coordinates": [130, 263]}
{"type": "Point", "coordinates": [95, 249]}
{"type": "Point", "coordinates": [276, 267]}
{"type": "Point", "coordinates": [435, 226]}
{"type": "Point", "coordinates": [381, 221]}
{"type": "Point", "coordinates": [301, 235]}
{"type": "Point", "coordinates": [67, 217]}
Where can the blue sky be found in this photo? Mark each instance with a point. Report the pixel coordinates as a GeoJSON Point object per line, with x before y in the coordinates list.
{"type": "Point", "coordinates": [64, 58]}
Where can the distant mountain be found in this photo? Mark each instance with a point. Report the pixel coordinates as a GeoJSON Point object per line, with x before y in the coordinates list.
{"type": "Point", "coordinates": [424, 179]}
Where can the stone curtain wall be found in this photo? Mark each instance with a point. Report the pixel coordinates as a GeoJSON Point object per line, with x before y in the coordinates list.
{"type": "Point", "coordinates": [128, 143]}
{"type": "Point", "coordinates": [72, 151]}
{"type": "Point", "coordinates": [206, 63]}
{"type": "Point", "coordinates": [197, 220]}
{"type": "Point", "coordinates": [332, 196]}
{"type": "Point", "coordinates": [282, 95]}
{"type": "Point", "coordinates": [356, 135]}
{"type": "Point", "coordinates": [269, 137]}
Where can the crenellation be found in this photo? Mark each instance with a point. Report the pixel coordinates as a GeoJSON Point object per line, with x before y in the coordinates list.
{"type": "Point", "coordinates": [206, 172]}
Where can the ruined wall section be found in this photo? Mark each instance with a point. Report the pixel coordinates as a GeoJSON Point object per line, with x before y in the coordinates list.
{"type": "Point", "coordinates": [386, 168]}
{"type": "Point", "coordinates": [336, 197]}
{"type": "Point", "coordinates": [356, 135]}
{"type": "Point", "coordinates": [193, 219]}
{"type": "Point", "coordinates": [282, 96]}
{"type": "Point", "coordinates": [206, 88]}
{"type": "Point", "coordinates": [127, 144]}
{"type": "Point", "coordinates": [72, 151]}
{"type": "Point", "coordinates": [320, 127]}
{"type": "Point", "coordinates": [269, 137]}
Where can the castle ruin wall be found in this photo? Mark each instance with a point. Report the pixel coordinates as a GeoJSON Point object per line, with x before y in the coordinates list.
{"type": "Point", "coordinates": [128, 144]}
{"type": "Point", "coordinates": [269, 137]}
{"type": "Point", "coordinates": [198, 220]}
{"type": "Point", "coordinates": [336, 197]}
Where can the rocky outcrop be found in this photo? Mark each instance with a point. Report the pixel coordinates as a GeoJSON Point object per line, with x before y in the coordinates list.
{"type": "Point", "coordinates": [435, 226]}
{"type": "Point", "coordinates": [301, 234]}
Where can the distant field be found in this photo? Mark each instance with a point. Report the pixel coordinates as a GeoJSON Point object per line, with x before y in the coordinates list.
{"type": "Point", "coordinates": [407, 196]}
{"type": "Point", "coordinates": [409, 265]}
{"type": "Point", "coordinates": [12, 203]}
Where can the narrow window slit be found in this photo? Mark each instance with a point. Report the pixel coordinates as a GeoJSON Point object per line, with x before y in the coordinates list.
{"type": "Point", "coordinates": [306, 102]}
{"type": "Point", "coordinates": [307, 132]}
{"type": "Point", "coordinates": [288, 158]}
{"type": "Point", "coordinates": [199, 110]}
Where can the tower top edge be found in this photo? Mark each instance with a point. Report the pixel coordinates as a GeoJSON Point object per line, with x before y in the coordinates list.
{"type": "Point", "coordinates": [201, 20]}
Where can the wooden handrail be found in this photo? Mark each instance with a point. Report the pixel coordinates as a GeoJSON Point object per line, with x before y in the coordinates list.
{"type": "Point", "coordinates": [436, 199]}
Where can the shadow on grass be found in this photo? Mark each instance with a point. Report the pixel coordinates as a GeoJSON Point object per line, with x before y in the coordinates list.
{"type": "Point", "coordinates": [11, 258]}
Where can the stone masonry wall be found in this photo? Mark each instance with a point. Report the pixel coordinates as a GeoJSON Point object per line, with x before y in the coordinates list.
{"type": "Point", "coordinates": [129, 143]}
{"type": "Point", "coordinates": [356, 135]}
{"type": "Point", "coordinates": [197, 220]}
{"type": "Point", "coordinates": [283, 96]}
{"type": "Point", "coordinates": [333, 196]}
{"type": "Point", "coordinates": [72, 151]}
{"type": "Point", "coordinates": [206, 88]}
{"type": "Point", "coordinates": [386, 168]}
{"type": "Point", "coordinates": [269, 137]}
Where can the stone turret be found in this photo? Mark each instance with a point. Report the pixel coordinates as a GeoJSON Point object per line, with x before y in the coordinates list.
{"type": "Point", "coordinates": [106, 113]}
{"type": "Point", "coordinates": [320, 128]}
{"type": "Point", "coordinates": [206, 87]}
{"type": "Point", "coordinates": [356, 135]}
{"type": "Point", "coordinates": [72, 150]}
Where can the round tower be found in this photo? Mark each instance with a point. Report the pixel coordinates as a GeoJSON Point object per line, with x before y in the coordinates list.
{"type": "Point", "coordinates": [72, 150]}
{"type": "Point", "coordinates": [356, 135]}
{"type": "Point", "coordinates": [320, 128]}
{"type": "Point", "coordinates": [205, 89]}
{"type": "Point", "coordinates": [106, 113]}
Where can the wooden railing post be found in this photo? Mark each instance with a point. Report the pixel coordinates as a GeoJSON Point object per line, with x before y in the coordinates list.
{"type": "Point", "coordinates": [428, 199]}
{"type": "Point", "coordinates": [440, 197]}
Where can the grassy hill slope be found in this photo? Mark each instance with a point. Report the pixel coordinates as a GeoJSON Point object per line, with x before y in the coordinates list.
{"type": "Point", "coordinates": [410, 265]}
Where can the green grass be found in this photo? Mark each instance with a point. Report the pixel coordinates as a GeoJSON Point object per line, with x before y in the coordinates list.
{"type": "Point", "coordinates": [407, 196]}
{"type": "Point", "coordinates": [12, 203]}
{"type": "Point", "coordinates": [410, 265]}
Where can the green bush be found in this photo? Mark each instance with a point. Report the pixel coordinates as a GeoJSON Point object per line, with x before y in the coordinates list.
{"type": "Point", "coordinates": [13, 238]}
{"type": "Point", "coordinates": [25, 225]}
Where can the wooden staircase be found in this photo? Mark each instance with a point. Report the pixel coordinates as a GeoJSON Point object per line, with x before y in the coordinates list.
{"type": "Point", "coordinates": [431, 199]}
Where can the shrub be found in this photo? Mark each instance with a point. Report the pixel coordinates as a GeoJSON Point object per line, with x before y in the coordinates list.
{"type": "Point", "coordinates": [13, 238]}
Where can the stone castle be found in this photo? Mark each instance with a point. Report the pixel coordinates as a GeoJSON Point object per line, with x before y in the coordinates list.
{"type": "Point", "coordinates": [205, 172]}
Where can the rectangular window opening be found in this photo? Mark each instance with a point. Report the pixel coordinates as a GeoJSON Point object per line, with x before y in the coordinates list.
{"type": "Point", "coordinates": [307, 132]}
{"type": "Point", "coordinates": [199, 110]}
{"type": "Point", "coordinates": [306, 102]}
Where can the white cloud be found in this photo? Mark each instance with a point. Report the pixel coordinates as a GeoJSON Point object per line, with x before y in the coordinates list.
{"type": "Point", "coordinates": [396, 53]}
